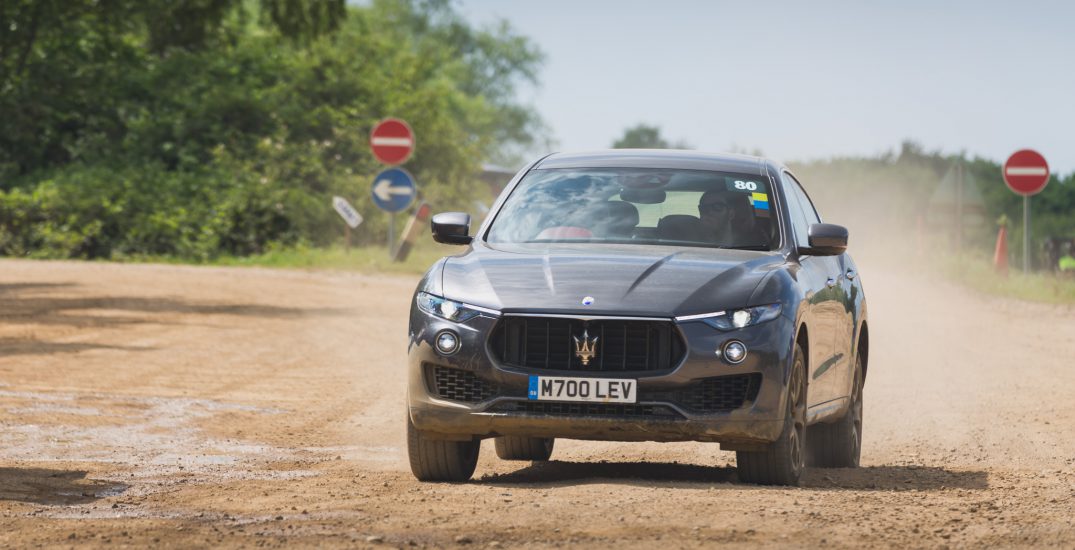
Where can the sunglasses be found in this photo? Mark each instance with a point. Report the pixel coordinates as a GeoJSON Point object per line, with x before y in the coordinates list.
{"type": "Point", "coordinates": [714, 206]}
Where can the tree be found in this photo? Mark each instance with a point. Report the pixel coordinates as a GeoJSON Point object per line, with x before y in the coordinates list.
{"type": "Point", "coordinates": [226, 126]}
{"type": "Point", "coordinates": [66, 66]}
{"type": "Point", "coordinates": [641, 136]}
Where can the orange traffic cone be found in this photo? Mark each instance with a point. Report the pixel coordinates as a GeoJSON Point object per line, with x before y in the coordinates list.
{"type": "Point", "coordinates": [1000, 256]}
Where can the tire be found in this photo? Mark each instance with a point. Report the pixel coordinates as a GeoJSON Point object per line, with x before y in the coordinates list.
{"type": "Point", "coordinates": [782, 462]}
{"type": "Point", "coordinates": [839, 444]}
{"type": "Point", "coordinates": [439, 460]}
{"type": "Point", "coordinates": [524, 448]}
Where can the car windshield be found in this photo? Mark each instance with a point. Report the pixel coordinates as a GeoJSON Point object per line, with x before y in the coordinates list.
{"type": "Point", "coordinates": [639, 206]}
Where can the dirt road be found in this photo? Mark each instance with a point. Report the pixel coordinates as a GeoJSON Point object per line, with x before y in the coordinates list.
{"type": "Point", "coordinates": [178, 406]}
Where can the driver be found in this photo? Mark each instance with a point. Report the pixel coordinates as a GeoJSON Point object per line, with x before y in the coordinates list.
{"type": "Point", "coordinates": [727, 219]}
{"type": "Point", "coordinates": [716, 210]}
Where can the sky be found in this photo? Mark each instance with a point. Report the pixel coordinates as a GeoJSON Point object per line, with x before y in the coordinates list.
{"type": "Point", "coordinates": [804, 80]}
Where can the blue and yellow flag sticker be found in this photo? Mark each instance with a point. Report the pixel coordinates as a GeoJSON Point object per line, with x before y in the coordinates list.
{"type": "Point", "coordinates": [760, 201]}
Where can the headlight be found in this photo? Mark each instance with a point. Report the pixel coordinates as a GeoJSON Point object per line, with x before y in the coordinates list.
{"type": "Point", "coordinates": [444, 308]}
{"type": "Point", "coordinates": [746, 317]}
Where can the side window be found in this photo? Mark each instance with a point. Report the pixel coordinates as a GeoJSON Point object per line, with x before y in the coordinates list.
{"type": "Point", "coordinates": [808, 208]}
{"type": "Point", "coordinates": [799, 222]}
{"type": "Point", "coordinates": [807, 204]}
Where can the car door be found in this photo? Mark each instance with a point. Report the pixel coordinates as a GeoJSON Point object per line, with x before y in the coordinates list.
{"type": "Point", "coordinates": [850, 296]}
{"type": "Point", "coordinates": [821, 284]}
{"type": "Point", "coordinates": [842, 292]}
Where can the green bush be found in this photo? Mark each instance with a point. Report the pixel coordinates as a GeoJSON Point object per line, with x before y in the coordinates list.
{"type": "Point", "coordinates": [120, 141]}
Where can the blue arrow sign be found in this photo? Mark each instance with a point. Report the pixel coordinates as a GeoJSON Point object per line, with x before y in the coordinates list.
{"type": "Point", "coordinates": [393, 190]}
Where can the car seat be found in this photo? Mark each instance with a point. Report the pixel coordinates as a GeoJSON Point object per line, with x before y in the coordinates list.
{"type": "Point", "coordinates": [612, 219]}
{"type": "Point", "coordinates": [679, 227]}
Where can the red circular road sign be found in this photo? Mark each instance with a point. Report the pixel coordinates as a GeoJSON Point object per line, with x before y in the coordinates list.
{"type": "Point", "coordinates": [1026, 172]}
{"type": "Point", "coordinates": [392, 141]}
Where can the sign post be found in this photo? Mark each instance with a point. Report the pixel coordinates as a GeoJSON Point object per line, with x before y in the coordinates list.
{"type": "Point", "coordinates": [393, 191]}
{"type": "Point", "coordinates": [347, 212]}
{"type": "Point", "coordinates": [349, 215]}
{"type": "Point", "coordinates": [391, 233]}
{"type": "Point", "coordinates": [1026, 173]}
{"type": "Point", "coordinates": [410, 234]}
{"type": "Point", "coordinates": [392, 142]}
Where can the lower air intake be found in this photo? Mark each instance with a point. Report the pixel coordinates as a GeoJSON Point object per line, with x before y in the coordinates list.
{"type": "Point", "coordinates": [459, 385]}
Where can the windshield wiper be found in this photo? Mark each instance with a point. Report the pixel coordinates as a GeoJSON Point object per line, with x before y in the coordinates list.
{"type": "Point", "coordinates": [750, 247]}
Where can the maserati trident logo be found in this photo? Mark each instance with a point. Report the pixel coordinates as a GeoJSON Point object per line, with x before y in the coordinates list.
{"type": "Point", "coordinates": [586, 348]}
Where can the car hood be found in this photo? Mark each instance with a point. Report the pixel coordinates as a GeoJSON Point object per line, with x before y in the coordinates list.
{"type": "Point", "coordinates": [637, 280]}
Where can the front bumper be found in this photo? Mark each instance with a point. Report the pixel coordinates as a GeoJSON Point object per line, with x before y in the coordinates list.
{"type": "Point", "coordinates": [657, 416]}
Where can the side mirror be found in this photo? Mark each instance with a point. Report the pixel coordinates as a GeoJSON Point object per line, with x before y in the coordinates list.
{"type": "Point", "coordinates": [452, 228]}
{"type": "Point", "coordinates": [826, 239]}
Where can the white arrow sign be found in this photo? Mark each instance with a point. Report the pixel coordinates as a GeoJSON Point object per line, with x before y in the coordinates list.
{"type": "Point", "coordinates": [347, 212]}
{"type": "Point", "coordinates": [384, 190]}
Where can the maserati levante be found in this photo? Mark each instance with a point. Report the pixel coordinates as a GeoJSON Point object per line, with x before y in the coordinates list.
{"type": "Point", "coordinates": [638, 295]}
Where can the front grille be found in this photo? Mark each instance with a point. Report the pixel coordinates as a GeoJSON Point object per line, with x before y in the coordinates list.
{"type": "Point", "coordinates": [600, 410]}
{"type": "Point", "coordinates": [459, 385]}
{"type": "Point", "coordinates": [711, 395]}
{"type": "Point", "coordinates": [548, 343]}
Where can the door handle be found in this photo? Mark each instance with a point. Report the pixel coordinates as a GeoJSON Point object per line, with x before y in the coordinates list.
{"type": "Point", "coordinates": [831, 282]}
{"type": "Point", "coordinates": [851, 274]}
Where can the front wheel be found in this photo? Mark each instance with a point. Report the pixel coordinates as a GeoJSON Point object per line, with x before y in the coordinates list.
{"type": "Point", "coordinates": [440, 460]}
{"type": "Point", "coordinates": [524, 448]}
{"type": "Point", "coordinates": [839, 444]}
{"type": "Point", "coordinates": [781, 463]}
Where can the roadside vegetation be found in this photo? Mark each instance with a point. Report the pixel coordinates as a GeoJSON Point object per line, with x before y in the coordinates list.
{"type": "Point", "coordinates": [218, 132]}
{"type": "Point", "coordinates": [202, 130]}
{"type": "Point", "coordinates": [363, 259]}
{"type": "Point", "coordinates": [903, 204]}
{"type": "Point", "coordinates": [976, 272]}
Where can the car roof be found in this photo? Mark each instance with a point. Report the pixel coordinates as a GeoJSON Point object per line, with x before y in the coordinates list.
{"type": "Point", "coordinates": [656, 158]}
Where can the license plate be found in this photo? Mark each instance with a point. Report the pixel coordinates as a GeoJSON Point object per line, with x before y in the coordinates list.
{"type": "Point", "coordinates": [594, 390]}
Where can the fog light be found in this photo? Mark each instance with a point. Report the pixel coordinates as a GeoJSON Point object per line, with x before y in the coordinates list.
{"type": "Point", "coordinates": [447, 342]}
{"type": "Point", "coordinates": [734, 352]}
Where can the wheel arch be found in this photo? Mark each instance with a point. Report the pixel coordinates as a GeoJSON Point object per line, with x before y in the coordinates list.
{"type": "Point", "coordinates": [802, 338]}
{"type": "Point", "coordinates": [864, 348]}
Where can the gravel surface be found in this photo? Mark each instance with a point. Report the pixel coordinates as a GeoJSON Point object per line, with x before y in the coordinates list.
{"type": "Point", "coordinates": [183, 406]}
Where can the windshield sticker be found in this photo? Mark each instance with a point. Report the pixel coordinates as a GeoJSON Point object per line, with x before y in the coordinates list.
{"type": "Point", "coordinates": [761, 204]}
{"type": "Point", "coordinates": [742, 185]}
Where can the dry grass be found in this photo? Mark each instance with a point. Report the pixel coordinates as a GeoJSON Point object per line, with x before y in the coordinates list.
{"type": "Point", "coordinates": [977, 272]}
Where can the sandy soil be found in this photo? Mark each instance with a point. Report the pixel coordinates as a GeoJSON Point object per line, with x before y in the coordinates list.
{"type": "Point", "coordinates": [178, 406]}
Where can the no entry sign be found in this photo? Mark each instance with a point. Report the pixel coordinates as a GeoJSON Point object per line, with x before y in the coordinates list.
{"type": "Point", "coordinates": [1026, 172]}
{"type": "Point", "coordinates": [392, 141]}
